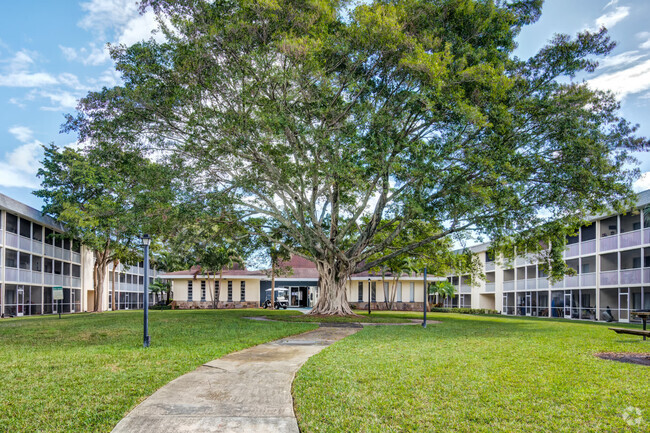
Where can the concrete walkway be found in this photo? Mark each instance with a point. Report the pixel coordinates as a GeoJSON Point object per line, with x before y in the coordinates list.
{"type": "Point", "coordinates": [246, 391]}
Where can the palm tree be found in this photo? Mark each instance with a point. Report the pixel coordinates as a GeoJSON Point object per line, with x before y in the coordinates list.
{"type": "Point", "coordinates": [444, 290]}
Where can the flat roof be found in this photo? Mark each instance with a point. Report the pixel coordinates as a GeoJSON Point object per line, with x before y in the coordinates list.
{"type": "Point", "coordinates": [22, 210]}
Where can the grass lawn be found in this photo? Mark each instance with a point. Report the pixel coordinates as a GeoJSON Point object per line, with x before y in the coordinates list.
{"type": "Point", "coordinates": [84, 372]}
{"type": "Point", "coordinates": [474, 374]}
{"type": "Point", "coordinates": [360, 317]}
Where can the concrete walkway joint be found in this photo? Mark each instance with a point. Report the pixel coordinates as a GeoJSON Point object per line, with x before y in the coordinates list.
{"type": "Point", "coordinates": [245, 391]}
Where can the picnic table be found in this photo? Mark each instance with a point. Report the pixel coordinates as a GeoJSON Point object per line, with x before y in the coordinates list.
{"type": "Point", "coordinates": [643, 315]}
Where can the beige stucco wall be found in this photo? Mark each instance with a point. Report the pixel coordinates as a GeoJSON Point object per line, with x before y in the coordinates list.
{"type": "Point", "coordinates": [252, 289]}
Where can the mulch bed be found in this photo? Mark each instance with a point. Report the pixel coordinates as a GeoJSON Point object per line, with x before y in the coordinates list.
{"type": "Point", "coordinates": [630, 358]}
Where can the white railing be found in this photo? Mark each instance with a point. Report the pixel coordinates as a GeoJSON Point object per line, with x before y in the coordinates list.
{"type": "Point", "coordinates": [12, 240]}
{"type": "Point", "coordinates": [531, 284]}
{"type": "Point", "coordinates": [48, 279]}
{"type": "Point", "coordinates": [58, 280]}
{"type": "Point", "coordinates": [520, 261]}
{"type": "Point", "coordinates": [588, 280]}
{"type": "Point", "coordinates": [521, 284]}
{"type": "Point", "coordinates": [76, 258]}
{"type": "Point", "coordinates": [25, 276]}
{"type": "Point", "coordinates": [588, 247]}
{"type": "Point", "coordinates": [571, 281]}
{"type": "Point", "coordinates": [58, 253]}
{"type": "Point", "coordinates": [508, 286]}
{"type": "Point", "coordinates": [558, 285]}
{"type": "Point", "coordinates": [25, 243]}
{"type": "Point", "coordinates": [609, 243]}
{"type": "Point", "coordinates": [1, 237]}
{"type": "Point", "coordinates": [66, 281]}
{"type": "Point", "coordinates": [66, 255]}
{"type": "Point", "coordinates": [608, 278]}
{"type": "Point", "coordinates": [489, 266]}
{"type": "Point", "coordinates": [37, 247]}
{"type": "Point", "coordinates": [75, 282]}
{"type": "Point", "coordinates": [572, 250]}
{"type": "Point", "coordinates": [630, 239]}
{"type": "Point", "coordinates": [646, 275]}
{"type": "Point", "coordinates": [646, 236]}
{"type": "Point", "coordinates": [37, 277]}
{"type": "Point", "coordinates": [49, 250]}
{"type": "Point", "coordinates": [542, 283]}
{"type": "Point", "coordinates": [630, 276]}
{"type": "Point", "coordinates": [11, 274]}
{"type": "Point", "coordinates": [464, 288]}
{"type": "Point", "coordinates": [489, 287]}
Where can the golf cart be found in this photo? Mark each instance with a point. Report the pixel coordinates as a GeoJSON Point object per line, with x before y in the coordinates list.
{"type": "Point", "coordinates": [281, 299]}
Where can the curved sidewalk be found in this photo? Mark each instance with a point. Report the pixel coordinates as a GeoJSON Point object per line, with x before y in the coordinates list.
{"type": "Point", "coordinates": [245, 391]}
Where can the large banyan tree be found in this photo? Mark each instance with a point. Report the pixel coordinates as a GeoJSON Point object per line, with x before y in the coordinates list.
{"type": "Point", "coordinates": [367, 131]}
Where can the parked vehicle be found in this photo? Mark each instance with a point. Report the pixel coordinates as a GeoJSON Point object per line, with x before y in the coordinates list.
{"type": "Point", "coordinates": [280, 298]}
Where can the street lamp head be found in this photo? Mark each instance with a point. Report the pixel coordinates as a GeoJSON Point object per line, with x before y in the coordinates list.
{"type": "Point", "coordinates": [146, 240]}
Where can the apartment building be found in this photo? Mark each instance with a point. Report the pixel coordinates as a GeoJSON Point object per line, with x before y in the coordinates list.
{"type": "Point", "coordinates": [611, 259]}
{"type": "Point", "coordinates": [33, 261]}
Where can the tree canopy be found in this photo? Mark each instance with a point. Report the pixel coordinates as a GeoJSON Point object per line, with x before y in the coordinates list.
{"type": "Point", "coordinates": [345, 125]}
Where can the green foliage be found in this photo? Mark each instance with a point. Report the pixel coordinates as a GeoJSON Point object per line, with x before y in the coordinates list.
{"type": "Point", "coordinates": [444, 289]}
{"type": "Point", "coordinates": [364, 132]}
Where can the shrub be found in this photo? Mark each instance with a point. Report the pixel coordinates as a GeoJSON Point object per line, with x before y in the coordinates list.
{"type": "Point", "coordinates": [464, 310]}
{"type": "Point", "coordinates": [160, 307]}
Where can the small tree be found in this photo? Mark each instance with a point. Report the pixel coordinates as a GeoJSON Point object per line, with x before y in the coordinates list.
{"type": "Point", "coordinates": [442, 289]}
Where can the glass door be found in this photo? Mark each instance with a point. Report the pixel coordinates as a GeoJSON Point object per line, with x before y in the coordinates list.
{"type": "Point", "coordinates": [529, 301]}
{"type": "Point", "coordinates": [72, 301]}
{"type": "Point", "coordinates": [567, 305]}
{"type": "Point", "coordinates": [126, 301]}
{"type": "Point", "coordinates": [20, 300]}
{"type": "Point", "coordinates": [623, 305]}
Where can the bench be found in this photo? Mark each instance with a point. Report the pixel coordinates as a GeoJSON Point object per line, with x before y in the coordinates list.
{"type": "Point", "coordinates": [640, 332]}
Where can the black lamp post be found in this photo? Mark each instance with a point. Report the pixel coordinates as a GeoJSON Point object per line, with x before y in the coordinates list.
{"type": "Point", "coordinates": [369, 296]}
{"type": "Point", "coordinates": [146, 240]}
{"type": "Point", "coordinates": [426, 295]}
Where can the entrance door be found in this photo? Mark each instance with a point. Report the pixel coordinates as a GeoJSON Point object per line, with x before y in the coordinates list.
{"type": "Point", "coordinates": [623, 305]}
{"type": "Point", "coordinates": [567, 305]}
{"type": "Point", "coordinates": [20, 300]}
{"type": "Point", "coordinates": [296, 297]}
{"type": "Point", "coordinates": [529, 301]}
{"type": "Point", "coordinates": [72, 301]}
{"type": "Point", "coordinates": [126, 301]}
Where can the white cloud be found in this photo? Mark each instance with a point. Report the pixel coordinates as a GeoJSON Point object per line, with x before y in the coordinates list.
{"type": "Point", "coordinates": [91, 55]}
{"type": "Point", "coordinates": [104, 15]}
{"type": "Point", "coordinates": [610, 19]}
{"type": "Point", "coordinates": [642, 183]}
{"type": "Point", "coordinates": [20, 166]}
{"type": "Point", "coordinates": [625, 58]}
{"type": "Point", "coordinates": [645, 45]}
{"type": "Point", "coordinates": [22, 133]}
{"type": "Point", "coordinates": [25, 79]}
{"type": "Point", "coordinates": [61, 99]}
{"type": "Point", "coordinates": [140, 28]}
{"type": "Point", "coordinates": [628, 81]}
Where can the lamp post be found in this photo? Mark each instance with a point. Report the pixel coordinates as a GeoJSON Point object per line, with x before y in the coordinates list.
{"type": "Point", "coordinates": [146, 240]}
{"type": "Point", "coordinates": [424, 304]}
{"type": "Point", "coordinates": [369, 296]}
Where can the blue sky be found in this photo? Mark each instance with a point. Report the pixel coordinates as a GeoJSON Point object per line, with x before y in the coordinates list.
{"type": "Point", "coordinates": [52, 53]}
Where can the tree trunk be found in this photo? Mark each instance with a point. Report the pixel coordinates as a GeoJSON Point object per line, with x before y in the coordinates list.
{"type": "Point", "coordinates": [99, 274]}
{"type": "Point", "coordinates": [218, 291]}
{"type": "Point", "coordinates": [115, 265]}
{"type": "Point", "coordinates": [333, 298]}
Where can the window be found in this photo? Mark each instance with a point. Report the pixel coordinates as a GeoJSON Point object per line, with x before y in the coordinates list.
{"type": "Point", "coordinates": [122, 277]}
{"type": "Point", "coordinates": [48, 266]}
{"type": "Point", "coordinates": [11, 258]}
{"type": "Point", "coordinates": [360, 291]}
{"type": "Point", "coordinates": [49, 236]}
{"type": "Point", "coordinates": [242, 289]}
{"type": "Point", "coordinates": [386, 290]}
{"type": "Point", "coordinates": [58, 242]}
{"type": "Point", "coordinates": [128, 278]}
{"type": "Point", "coordinates": [66, 269]}
{"type": "Point", "coordinates": [37, 232]}
{"type": "Point", "coordinates": [12, 223]}
{"type": "Point", "coordinates": [141, 280]}
{"type": "Point", "coordinates": [216, 290]}
{"type": "Point", "coordinates": [76, 271]}
{"type": "Point", "coordinates": [66, 244]}
{"type": "Point", "coordinates": [25, 228]}
{"type": "Point", "coordinates": [37, 263]}
{"type": "Point", "coordinates": [373, 296]}
{"type": "Point", "coordinates": [57, 267]}
{"type": "Point", "coordinates": [412, 292]}
{"type": "Point", "coordinates": [399, 292]}
{"type": "Point", "coordinates": [203, 290]}
{"type": "Point", "coordinates": [76, 246]}
{"type": "Point", "coordinates": [230, 291]}
{"type": "Point", "coordinates": [24, 261]}
{"type": "Point", "coordinates": [189, 290]}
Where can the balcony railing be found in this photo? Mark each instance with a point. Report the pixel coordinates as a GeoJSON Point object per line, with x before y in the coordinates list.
{"type": "Point", "coordinates": [464, 288]}
{"type": "Point", "coordinates": [571, 281]}
{"type": "Point", "coordinates": [608, 278]}
{"type": "Point", "coordinates": [66, 255]}
{"type": "Point", "coordinates": [508, 286]}
{"type": "Point", "coordinates": [521, 284]}
{"type": "Point", "coordinates": [49, 250]}
{"type": "Point", "coordinates": [542, 283]}
{"type": "Point", "coordinates": [11, 274]}
{"type": "Point", "coordinates": [489, 266]}
{"type": "Point", "coordinates": [489, 287]}
{"type": "Point", "coordinates": [630, 239]}
{"type": "Point", "coordinates": [37, 247]}
{"type": "Point", "coordinates": [520, 261]}
{"type": "Point", "coordinates": [76, 257]}
{"type": "Point", "coordinates": [630, 276]}
{"type": "Point", "coordinates": [572, 250]}
{"type": "Point", "coordinates": [558, 285]}
{"type": "Point", "coordinates": [12, 240]}
{"type": "Point", "coordinates": [609, 243]}
{"type": "Point", "coordinates": [646, 236]}
{"type": "Point", "coordinates": [58, 253]}
{"type": "Point", "coordinates": [646, 275]}
{"type": "Point", "coordinates": [588, 280]}
{"type": "Point", "coordinates": [588, 247]}
{"type": "Point", "coordinates": [25, 243]}
{"type": "Point", "coordinates": [75, 282]}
